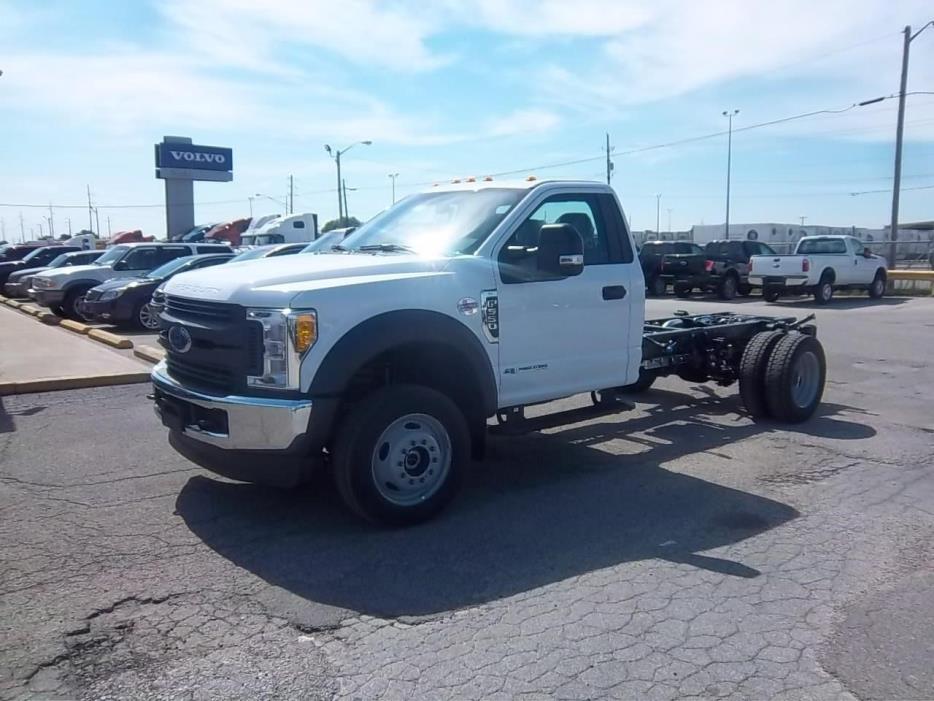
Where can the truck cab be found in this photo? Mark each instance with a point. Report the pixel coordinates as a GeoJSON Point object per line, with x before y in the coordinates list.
{"type": "Point", "coordinates": [294, 228]}
{"type": "Point", "coordinates": [383, 359]}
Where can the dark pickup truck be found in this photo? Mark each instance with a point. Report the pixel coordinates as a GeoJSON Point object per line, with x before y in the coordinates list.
{"type": "Point", "coordinates": [651, 256]}
{"type": "Point", "coordinates": [721, 267]}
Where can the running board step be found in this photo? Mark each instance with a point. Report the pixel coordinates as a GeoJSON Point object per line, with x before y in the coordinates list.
{"type": "Point", "coordinates": [516, 424]}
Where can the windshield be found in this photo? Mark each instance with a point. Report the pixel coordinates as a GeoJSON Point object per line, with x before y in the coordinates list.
{"type": "Point", "coordinates": [166, 269]}
{"type": "Point", "coordinates": [324, 243]}
{"type": "Point", "coordinates": [34, 254]}
{"type": "Point", "coordinates": [437, 223]}
{"type": "Point", "coordinates": [263, 239]}
{"type": "Point", "coordinates": [260, 221]}
{"type": "Point", "coordinates": [58, 261]}
{"type": "Point", "coordinates": [112, 256]}
{"type": "Point", "coordinates": [253, 253]}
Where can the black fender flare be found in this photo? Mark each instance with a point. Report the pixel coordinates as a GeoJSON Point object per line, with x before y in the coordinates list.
{"type": "Point", "coordinates": [371, 338]}
{"type": "Point", "coordinates": [833, 275]}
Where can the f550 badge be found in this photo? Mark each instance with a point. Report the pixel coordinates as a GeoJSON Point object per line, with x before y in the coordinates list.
{"type": "Point", "coordinates": [489, 315]}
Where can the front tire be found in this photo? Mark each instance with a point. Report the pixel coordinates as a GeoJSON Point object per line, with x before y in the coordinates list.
{"type": "Point", "coordinates": [794, 378]}
{"type": "Point", "coordinates": [144, 318]}
{"type": "Point", "coordinates": [877, 288]}
{"type": "Point", "coordinates": [71, 302]}
{"type": "Point", "coordinates": [58, 311]}
{"type": "Point", "coordinates": [401, 454]}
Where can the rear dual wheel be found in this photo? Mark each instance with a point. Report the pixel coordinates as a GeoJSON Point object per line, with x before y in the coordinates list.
{"type": "Point", "coordinates": [682, 290]}
{"type": "Point", "coordinates": [782, 376]}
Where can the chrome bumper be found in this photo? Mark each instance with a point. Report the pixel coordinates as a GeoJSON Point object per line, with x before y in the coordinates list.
{"type": "Point", "coordinates": [253, 423]}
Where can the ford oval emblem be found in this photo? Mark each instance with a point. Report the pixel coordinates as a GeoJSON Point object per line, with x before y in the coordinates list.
{"type": "Point", "coordinates": [179, 339]}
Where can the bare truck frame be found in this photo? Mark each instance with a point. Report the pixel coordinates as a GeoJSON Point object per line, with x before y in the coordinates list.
{"type": "Point", "coordinates": [778, 362]}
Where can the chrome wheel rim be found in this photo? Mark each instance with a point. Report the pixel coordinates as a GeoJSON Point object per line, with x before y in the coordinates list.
{"type": "Point", "coordinates": [878, 286]}
{"type": "Point", "coordinates": [729, 287]}
{"type": "Point", "coordinates": [411, 460]}
{"type": "Point", "coordinates": [805, 379]}
{"type": "Point", "coordinates": [826, 291]}
{"type": "Point", "coordinates": [147, 318]}
{"type": "Point", "coordinates": [76, 307]}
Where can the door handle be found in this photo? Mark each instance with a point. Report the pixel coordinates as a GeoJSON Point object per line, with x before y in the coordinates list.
{"type": "Point", "coordinates": [614, 292]}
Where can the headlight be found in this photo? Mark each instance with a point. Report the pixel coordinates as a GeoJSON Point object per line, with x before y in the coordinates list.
{"type": "Point", "coordinates": [109, 294]}
{"type": "Point", "coordinates": [287, 335]}
{"type": "Point", "coordinates": [42, 283]}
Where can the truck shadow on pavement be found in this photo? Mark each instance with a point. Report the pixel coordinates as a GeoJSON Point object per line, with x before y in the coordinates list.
{"type": "Point", "coordinates": [541, 508]}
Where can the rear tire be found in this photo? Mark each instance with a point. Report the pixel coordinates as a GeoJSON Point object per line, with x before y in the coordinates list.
{"type": "Point", "coordinates": [728, 287]}
{"type": "Point", "coordinates": [682, 290]}
{"type": "Point", "coordinates": [770, 295]}
{"type": "Point", "coordinates": [877, 288]}
{"type": "Point", "coordinates": [57, 310]}
{"type": "Point", "coordinates": [657, 287]}
{"type": "Point", "coordinates": [745, 289]}
{"type": "Point", "coordinates": [401, 454]}
{"type": "Point", "coordinates": [794, 378]}
{"type": "Point", "coordinates": [824, 292]}
{"type": "Point", "coordinates": [752, 369]}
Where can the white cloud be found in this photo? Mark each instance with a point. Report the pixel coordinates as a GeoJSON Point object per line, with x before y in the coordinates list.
{"type": "Point", "coordinates": [525, 122]}
{"type": "Point", "coordinates": [581, 18]}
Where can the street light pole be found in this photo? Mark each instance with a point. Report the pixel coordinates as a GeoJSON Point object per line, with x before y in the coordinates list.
{"type": "Point", "coordinates": [336, 154]}
{"type": "Point", "coordinates": [729, 166]}
{"type": "Point", "coordinates": [393, 176]}
{"type": "Point", "coordinates": [899, 131]}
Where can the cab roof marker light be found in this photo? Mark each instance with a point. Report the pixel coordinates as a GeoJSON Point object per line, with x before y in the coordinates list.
{"type": "Point", "coordinates": [488, 179]}
{"type": "Point", "coordinates": [530, 178]}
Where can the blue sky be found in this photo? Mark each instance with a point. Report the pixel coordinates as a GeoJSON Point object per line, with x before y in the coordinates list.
{"type": "Point", "coordinates": [449, 89]}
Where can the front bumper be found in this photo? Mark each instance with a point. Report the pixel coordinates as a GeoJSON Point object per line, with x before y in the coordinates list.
{"type": "Point", "coordinates": [15, 290]}
{"type": "Point", "coordinates": [48, 298]}
{"type": "Point", "coordinates": [230, 422]}
{"type": "Point", "coordinates": [111, 310]}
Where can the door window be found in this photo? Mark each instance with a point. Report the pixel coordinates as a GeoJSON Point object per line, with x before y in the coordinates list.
{"type": "Point", "coordinates": [517, 258]}
{"type": "Point", "coordinates": [141, 259]}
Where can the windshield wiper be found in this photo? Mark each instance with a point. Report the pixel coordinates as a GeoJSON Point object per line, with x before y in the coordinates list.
{"type": "Point", "coordinates": [388, 247]}
{"type": "Point", "coordinates": [339, 247]}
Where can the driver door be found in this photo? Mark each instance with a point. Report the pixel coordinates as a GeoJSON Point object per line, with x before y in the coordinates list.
{"type": "Point", "coordinates": [559, 337]}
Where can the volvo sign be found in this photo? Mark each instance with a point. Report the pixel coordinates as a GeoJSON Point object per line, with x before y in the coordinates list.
{"type": "Point", "coordinates": [180, 162]}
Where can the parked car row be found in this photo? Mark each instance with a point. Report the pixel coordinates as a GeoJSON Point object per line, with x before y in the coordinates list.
{"type": "Point", "coordinates": [258, 231]}
{"type": "Point", "coordinates": [120, 286]}
{"type": "Point", "coordinates": [819, 266]}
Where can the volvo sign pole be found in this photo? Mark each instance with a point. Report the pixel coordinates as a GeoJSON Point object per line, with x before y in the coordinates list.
{"type": "Point", "coordinates": [180, 162]}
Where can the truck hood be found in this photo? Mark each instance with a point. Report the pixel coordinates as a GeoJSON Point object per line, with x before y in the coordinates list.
{"type": "Point", "coordinates": [276, 281]}
{"type": "Point", "coordinates": [18, 275]}
{"type": "Point", "coordinates": [61, 276]}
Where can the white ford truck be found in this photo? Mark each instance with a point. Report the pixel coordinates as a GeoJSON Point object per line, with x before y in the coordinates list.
{"type": "Point", "coordinates": [819, 265]}
{"type": "Point", "coordinates": [389, 359]}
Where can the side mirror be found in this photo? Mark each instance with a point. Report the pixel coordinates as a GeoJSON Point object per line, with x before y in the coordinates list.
{"type": "Point", "coordinates": [867, 253]}
{"type": "Point", "coordinates": [560, 251]}
{"type": "Point", "coordinates": [120, 265]}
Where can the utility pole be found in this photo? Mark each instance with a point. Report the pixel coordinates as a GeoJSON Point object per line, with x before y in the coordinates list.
{"type": "Point", "coordinates": [393, 176]}
{"type": "Point", "coordinates": [291, 194]}
{"type": "Point", "coordinates": [899, 132]}
{"type": "Point", "coordinates": [108, 226]}
{"type": "Point", "coordinates": [97, 216]}
{"type": "Point", "coordinates": [658, 204]}
{"type": "Point", "coordinates": [340, 189]}
{"type": "Point", "coordinates": [346, 213]}
{"type": "Point", "coordinates": [90, 211]}
{"type": "Point", "coordinates": [729, 166]}
{"type": "Point", "coordinates": [609, 163]}
{"type": "Point", "coordinates": [803, 219]}
{"type": "Point", "coordinates": [41, 233]}
{"type": "Point", "coordinates": [51, 221]}
{"type": "Point", "coordinates": [22, 229]}
{"type": "Point", "coordinates": [69, 226]}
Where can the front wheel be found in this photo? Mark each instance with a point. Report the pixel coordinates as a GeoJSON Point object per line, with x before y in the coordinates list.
{"type": "Point", "coordinates": [72, 304]}
{"type": "Point", "coordinates": [144, 317]}
{"type": "Point", "coordinates": [728, 287]}
{"type": "Point", "coordinates": [877, 288]}
{"type": "Point", "coordinates": [401, 454]}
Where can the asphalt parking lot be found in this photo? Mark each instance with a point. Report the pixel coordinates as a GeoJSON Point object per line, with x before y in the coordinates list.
{"type": "Point", "coordinates": [676, 551]}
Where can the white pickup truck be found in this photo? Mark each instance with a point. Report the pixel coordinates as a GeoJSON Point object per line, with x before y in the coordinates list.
{"type": "Point", "coordinates": [384, 359]}
{"type": "Point", "coordinates": [819, 265]}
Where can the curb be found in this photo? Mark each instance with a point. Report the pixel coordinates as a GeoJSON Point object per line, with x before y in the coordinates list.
{"type": "Point", "coordinates": [12, 303]}
{"type": "Point", "coordinates": [75, 326]}
{"type": "Point", "coordinates": [110, 339]}
{"type": "Point", "coordinates": [76, 382]}
{"type": "Point", "coordinates": [149, 353]}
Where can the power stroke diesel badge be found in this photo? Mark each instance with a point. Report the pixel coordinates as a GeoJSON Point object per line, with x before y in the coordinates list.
{"type": "Point", "coordinates": [179, 339]}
